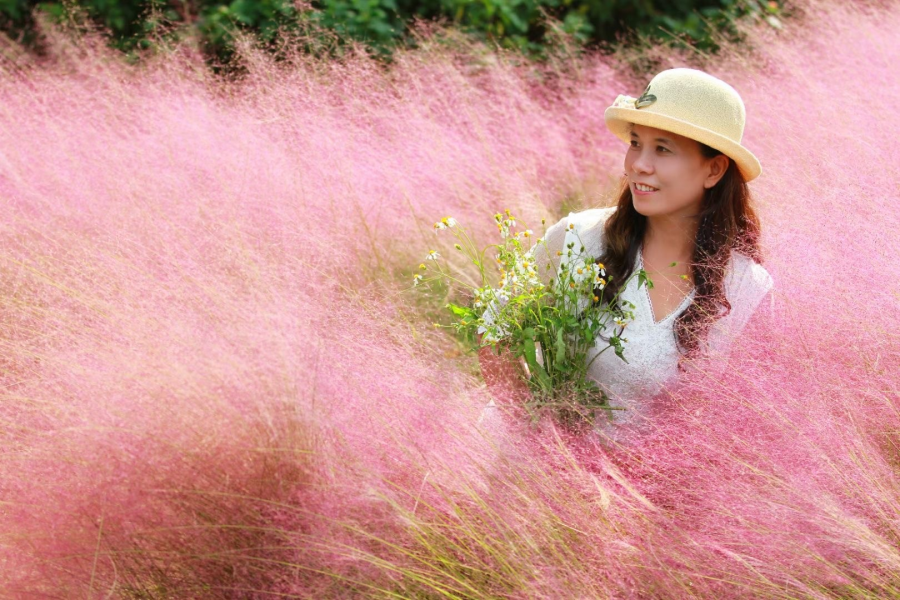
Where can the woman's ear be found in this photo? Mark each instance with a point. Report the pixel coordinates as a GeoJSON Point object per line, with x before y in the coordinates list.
{"type": "Point", "coordinates": [717, 166]}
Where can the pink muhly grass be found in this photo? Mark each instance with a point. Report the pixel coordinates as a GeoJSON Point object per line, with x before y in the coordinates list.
{"type": "Point", "coordinates": [216, 386]}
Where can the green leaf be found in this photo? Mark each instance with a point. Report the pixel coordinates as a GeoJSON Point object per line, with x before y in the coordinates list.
{"type": "Point", "coordinates": [644, 279]}
{"type": "Point", "coordinates": [560, 354]}
{"type": "Point", "coordinates": [616, 342]}
{"type": "Point", "coordinates": [460, 311]}
{"type": "Point", "coordinates": [530, 351]}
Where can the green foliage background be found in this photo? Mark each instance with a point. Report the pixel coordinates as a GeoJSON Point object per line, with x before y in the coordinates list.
{"type": "Point", "coordinates": [383, 24]}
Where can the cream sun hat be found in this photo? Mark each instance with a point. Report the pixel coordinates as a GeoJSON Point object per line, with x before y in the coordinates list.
{"type": "Point", "coordinates": [691, 103]}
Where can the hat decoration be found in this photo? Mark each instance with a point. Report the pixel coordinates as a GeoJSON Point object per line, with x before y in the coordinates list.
{"type": "Point", "coordinates": [646, 99]}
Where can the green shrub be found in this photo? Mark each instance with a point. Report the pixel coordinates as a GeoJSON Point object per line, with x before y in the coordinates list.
{"type": "Point", "coordinates": [382, 24]}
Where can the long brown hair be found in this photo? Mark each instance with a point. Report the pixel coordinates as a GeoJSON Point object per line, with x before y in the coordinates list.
{"type": "Point", "coordinates": [727, 222]}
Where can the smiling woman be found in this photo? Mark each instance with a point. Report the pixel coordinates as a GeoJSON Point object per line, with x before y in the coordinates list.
{"type": "Point", "coordinates": [684, 216]}
{"type": "Point", "coordinates": [670, 172]}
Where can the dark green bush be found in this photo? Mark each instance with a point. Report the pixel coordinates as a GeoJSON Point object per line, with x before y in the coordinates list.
{"type": "Point", "coordinates": [382, 24]}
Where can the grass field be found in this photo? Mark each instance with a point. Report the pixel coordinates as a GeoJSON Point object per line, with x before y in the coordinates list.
{"type": "Point", "coordinates": [217, 381]}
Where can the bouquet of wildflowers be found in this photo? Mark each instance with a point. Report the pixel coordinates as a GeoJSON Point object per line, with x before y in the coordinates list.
{"type": "Point", "coordinates": [550, 320]}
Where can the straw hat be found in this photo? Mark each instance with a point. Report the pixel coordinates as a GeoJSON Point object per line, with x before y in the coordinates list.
{"type": "Point", "coordinates": [691, 103]}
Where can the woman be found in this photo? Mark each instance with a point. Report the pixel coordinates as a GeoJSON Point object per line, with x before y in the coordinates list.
{"type": "Point", "coordinates": [684, 216]}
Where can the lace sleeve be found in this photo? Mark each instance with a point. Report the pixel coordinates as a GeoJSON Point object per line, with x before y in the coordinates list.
{"type": "Point", "coordinates": [749, 289]}
{"type": "Point", "coordinates": [753, 294]}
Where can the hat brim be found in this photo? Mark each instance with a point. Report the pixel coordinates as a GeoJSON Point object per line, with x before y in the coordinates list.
{"type": "Point", "coordinates": [618, 119]}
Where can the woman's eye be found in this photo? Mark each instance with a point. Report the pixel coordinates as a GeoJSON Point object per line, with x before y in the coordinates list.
{"type": "Point", "coordinates": [634, 144]}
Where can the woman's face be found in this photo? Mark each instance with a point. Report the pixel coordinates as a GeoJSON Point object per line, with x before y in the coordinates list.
{"type": "Point", "coordinates": [673, 165]}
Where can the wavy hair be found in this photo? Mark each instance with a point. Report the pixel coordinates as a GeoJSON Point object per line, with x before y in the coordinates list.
{"type": "Point", "coordinates": [727, 222]}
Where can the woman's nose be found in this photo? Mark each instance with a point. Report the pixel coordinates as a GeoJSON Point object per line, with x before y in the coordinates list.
{"type": "Point", "coordinates": [641, 164]}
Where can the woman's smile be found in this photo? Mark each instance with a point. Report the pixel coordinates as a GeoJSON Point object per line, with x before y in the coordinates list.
{"type": "Point", "coordinates": [641, 189]}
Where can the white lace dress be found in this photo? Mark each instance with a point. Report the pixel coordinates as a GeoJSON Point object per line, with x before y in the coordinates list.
{"type": "Point", "coordinates": [651, 349]}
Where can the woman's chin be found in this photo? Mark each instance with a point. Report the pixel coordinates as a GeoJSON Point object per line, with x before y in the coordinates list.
{"type": "Point", "coordinates": [644, 207]}
{"type": "Point", "coordinates": [650, 206]}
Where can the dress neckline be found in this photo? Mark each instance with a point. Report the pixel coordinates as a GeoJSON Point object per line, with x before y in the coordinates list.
{"type": "Point", "coordinates": [646, 295]}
